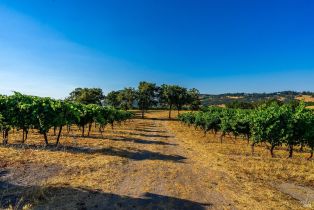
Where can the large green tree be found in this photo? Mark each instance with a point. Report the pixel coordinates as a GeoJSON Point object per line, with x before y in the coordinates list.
{"type": "Point", "coordinates": [176, 96]}
{"type": "Point", "coordinates": [127, 96]}
{"type": "Point", "coordinates": [113, 98]}
{"type": "Point", "coordinates": [169, 95]}
{"type": "Point", "coordinates": [146, 96]}
{"type": "Point", "coordinates": [194, 99]}
{"type": "Point", "coordinates": [87, 96]}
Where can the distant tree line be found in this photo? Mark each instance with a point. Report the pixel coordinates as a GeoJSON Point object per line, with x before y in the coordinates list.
{"type": "Point", "coordinates": [227, 98]}
{"type": "Point", "coordinates": [146, 96]}
{"type": "Point", "coordinates": [252, 105]}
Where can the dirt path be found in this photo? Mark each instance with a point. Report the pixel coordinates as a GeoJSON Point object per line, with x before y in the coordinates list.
{"type": "Point", "coordinates": [176, 175]}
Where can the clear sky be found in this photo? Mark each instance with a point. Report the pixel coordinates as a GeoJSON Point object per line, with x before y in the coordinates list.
{"type": "Point", "coordinates": [49, 47]}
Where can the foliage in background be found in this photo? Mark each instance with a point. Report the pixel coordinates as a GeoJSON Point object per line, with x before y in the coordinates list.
{"type": "Point", "coordinates": [87, 96]}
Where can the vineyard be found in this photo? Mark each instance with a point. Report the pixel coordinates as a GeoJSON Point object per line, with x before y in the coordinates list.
{"type": "Point", "coordinates": [22, 112]}
{"type": "Point", "coordinates": [273, 125]}
{"type": "Point", "coordinates": [61, 154]}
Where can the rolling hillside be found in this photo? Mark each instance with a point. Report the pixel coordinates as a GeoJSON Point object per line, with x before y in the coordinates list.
{"type": "Point", "coordinates": [221, 99]}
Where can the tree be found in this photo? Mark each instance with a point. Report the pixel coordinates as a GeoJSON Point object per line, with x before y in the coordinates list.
{"type": "Point", "coordinates": [113, 99]}
{"type": "Point", "coordinates": [182, 98]}
{"type": "Point", "coordinates": [174, 95]}
{"type": "Point", "coordinates": [169, 95]}
{"type": "Point", "coordinates": [87, 96]}
{"type": "Point", "coordinates": [127, 96]}
{"type": "Point", "coordinates": [194, 99]}
{"type": "Point", "coordinates": [146, 96]}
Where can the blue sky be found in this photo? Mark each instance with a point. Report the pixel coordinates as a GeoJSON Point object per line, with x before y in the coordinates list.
{"type": "Point", "coordinates": [49, 47]}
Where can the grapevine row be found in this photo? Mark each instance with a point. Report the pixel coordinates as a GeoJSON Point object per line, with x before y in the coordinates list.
{"type": "Point", "coordinates": [273, 125]}
{"type": "Point", "coordinates": [23, 112]}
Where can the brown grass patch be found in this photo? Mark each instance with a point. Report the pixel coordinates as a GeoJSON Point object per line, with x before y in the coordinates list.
{"type": "Point", "coordinates": [305, 98]}
{"type": "Point", "coordinates": [250, 180]}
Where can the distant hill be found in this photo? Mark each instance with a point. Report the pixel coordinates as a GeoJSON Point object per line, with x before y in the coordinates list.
{"type": "Point", "coordinates": [285, 96]}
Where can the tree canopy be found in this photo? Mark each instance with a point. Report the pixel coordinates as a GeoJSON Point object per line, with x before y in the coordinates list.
{"type": "Point", "coordinates": [87, 96]}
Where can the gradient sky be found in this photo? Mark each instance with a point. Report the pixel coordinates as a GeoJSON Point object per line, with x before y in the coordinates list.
{"type": "Point", "coordinates": [50, 47]}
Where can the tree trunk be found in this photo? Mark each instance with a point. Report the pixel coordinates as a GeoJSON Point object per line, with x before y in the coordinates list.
{"type": "Point", "coordinates": [83, 130]}
{"type": "Point", "coordinates": [89, 128]}
{"type": "Point", "coordinates": [26, 134]}
{"type": "Point", "coordinates": [272, 150]}
{"type": "Point", "coordinates": [142, 113]}
{"type": "Point", "coordinates": [301, 148]}
{"type": "Point", "coordinates": [170, 107]}
{"type": "Point", "coordinates": [54, 130]}
{"type": "Point", "coordinates": [46, 138]}
{"type": "Point", "coordinates": [290, 151]}
{"type": "Point", "coordinates": [59, 134]}
{"type": "Point", "coordinates": [101, 131]}
{"type": "Point", "coordinates": [6, 137]}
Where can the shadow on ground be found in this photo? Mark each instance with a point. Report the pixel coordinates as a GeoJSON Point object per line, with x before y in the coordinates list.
{"type": "Point", "coordinates": [133, 154]}
{"type": "Point", "coordinates": [157, 119]}
{"type": "Point", "coordinates": [79, 198]}
{"type": "Point", "coordinates": [140, 141]}
{"type": "Point", "coordinates": [131, 139]}
{"type": "Point", "coordinates": [143, 134]}
{"type": "Point", "coordinates": [148, 130]}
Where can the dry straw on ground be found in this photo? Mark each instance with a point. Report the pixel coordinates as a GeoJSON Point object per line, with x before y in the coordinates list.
{"type": "Point", "coordinates": [147, 163]}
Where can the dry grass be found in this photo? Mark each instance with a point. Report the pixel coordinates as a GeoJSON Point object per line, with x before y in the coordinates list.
{"type": "Point", "coordinates": [249, 180]}
{"type": "Point", "coordinates": [235, 97]}
{"type": "Point", "coordinates": [305, 98]}
{"type": "Point", "coordinates": [79, 162]}
{"type": "Point", "coordinates": [102, 164]}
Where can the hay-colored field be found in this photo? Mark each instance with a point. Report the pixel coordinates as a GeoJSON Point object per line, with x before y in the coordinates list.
{"type": "Point", "coordinates": [222, 105]}
{"type": "Point", "coordinates": [305, 98]}
{"type": "Point", "coordinates": [151, 163]}
{"type": "Point", "coordinates": [235, 97]}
